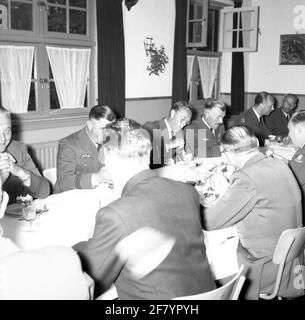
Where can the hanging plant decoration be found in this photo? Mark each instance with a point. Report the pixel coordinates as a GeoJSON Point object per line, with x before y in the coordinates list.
{"type": "Point", "coordinates": [158, 57]}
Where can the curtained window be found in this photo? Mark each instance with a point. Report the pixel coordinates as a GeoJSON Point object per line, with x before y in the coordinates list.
{"type": "Point", "coordinates": [15, 76]}
{"type": "Point", "coordinates": [70, 68]}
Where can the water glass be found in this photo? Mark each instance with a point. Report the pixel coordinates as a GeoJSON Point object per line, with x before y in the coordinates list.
{"type": "Point", "coordinates": [29, 212]}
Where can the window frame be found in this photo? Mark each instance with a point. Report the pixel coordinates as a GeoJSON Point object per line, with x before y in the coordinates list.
{"type": "Point", "coordinates": [254, 36]}
{"type": "Point", "coordinates": [45, 117]}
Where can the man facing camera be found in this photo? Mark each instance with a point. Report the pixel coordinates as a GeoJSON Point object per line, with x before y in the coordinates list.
{"type": "Point", "coordinates": [78, 162]}
{"type": "Point", "coordinates": [17, 169]}
{"type": "Point", "coordinates": [262, 200]}
{"type": "Point", "coordinates": [166, 135]}
{"type": "Point", "coordinates": [203, 134]}
{"type": "Point", "coordinates": [277, 121]}
{"type": "Point", "coordinates": [149, 242]}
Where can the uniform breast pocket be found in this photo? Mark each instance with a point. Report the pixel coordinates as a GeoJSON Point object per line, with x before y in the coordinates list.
{"type": "Point", "coordinates": [86, 165]}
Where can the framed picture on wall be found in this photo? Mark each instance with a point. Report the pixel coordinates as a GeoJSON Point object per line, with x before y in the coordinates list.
{"type": "Point", "coordinates": [292, 49]}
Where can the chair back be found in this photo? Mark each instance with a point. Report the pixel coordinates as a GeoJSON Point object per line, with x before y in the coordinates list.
{"type": "Point", "coordinates": [290, 245]}
{"type": "Point", "coordinates": [229, 291]}
{"type": "Point", "coordinates": [50, 175]}
{"type": "Point", "coordinates": [50, 273]}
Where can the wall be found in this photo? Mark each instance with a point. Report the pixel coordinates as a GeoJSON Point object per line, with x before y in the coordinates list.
{"type": "Point", "coordinates": [262, 69]}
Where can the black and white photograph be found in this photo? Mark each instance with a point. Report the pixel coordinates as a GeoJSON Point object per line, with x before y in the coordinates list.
{"type": "Point", "coordinates": [152, 150]}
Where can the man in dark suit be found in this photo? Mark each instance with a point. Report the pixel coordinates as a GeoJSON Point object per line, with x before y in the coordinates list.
{"type": "Point", "coordinates": [78, 164]}
{"type": "Point", "coordinates": [254, 116]}
{"type": "Point", "coordinates": [167, 136]}
{"type": "Point", "coordinates": [296, 128]}
{"type": "Point", "coordinates": [203, 134]}
{"type": "Point", "coordinates": [18, 172]}
{"type": "Point", "coordinates": [277, 121]}
{"type": "Point", "coordinates": [149, 242]}
{"type": "Point", "coordinates": [263, 200]}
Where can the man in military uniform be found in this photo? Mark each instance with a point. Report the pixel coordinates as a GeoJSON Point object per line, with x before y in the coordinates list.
{"type": "Point", "coordinates": [254, 116]}
{"type": "Point", "coordinates": [277, 121]}
{"type": "Point", "coordinates": [78, 163]}
{"type": "Point", "coordinates": [296, 128]}
{"type": "Point", "coordinates": [203, 135]}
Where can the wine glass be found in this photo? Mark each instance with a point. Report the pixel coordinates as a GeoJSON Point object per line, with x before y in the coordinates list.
{"type": "Point", "coordinates": [29, 212]}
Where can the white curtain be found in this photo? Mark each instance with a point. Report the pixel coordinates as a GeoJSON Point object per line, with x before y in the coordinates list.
{"type": "Point", "coordinates": [190, 63]}
{"type": "Point", "coordinates": [15, 76]}
{"type": "Point", "coordinates": [70, 68]}
{"type": "Point", "coordinates": [208, 71]}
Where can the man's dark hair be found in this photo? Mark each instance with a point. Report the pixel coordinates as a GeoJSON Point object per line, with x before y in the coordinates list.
{"type": "Point", "coordinates": [211, 103]}
{"type": "Point", "coordinates": [263, 97]}
{"type": "Point", "coordinates": [298, 118]}
{"type": "Point", "coordinates": [102, 112]}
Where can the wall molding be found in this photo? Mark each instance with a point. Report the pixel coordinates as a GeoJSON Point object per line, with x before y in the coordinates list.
{"type": "Point", "coordinates": [148, 98]}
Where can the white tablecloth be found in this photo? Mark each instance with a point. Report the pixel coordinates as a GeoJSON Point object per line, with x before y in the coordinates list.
{"type": "Point", "coordinates": [71, 219]}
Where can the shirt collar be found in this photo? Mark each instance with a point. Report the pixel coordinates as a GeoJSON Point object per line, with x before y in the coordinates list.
{"type": "Point", "coordinates": [96, 144]}
{"type": "Point", "coordinates": [169, 129]}
{"type": "Point", "coordinates": [285, 114]}
{"type": "Point", "coordinates": [142, 175]}
{"type": "Point", "coordinates": [257, 115]}
{"type": "Point", "coordinates": [202, 118]}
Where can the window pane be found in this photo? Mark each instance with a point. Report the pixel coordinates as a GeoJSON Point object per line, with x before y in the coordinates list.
{"type": "Point", "coordinates": [3, 15]}
{"type": "Point", "coordinates": [195, 10]}
{"type": "Point", "coordinates": [22, 16]}
{"type": "Point", "coordinates": [54, 102]}
{"type": "Point", "coordinates": [57, 19]}
{"type": "Point", "coordinates": [61, 2]}
{"type": "Point", "coordinates": [78, 22]}
{"type": "Point", "coordinates": [247, 20]}
{"type": "Point", "coordinates": [78, 3]}
{"type": "Point", "coordinates": [32, 99]}
{"type": "Point", "coordinates": [195, 32]}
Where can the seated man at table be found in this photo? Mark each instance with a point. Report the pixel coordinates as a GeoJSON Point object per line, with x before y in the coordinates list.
{"type": "Point", "coordinates": [17, 169]}
{"type": "Point", "coordinates": [277, 121]}
{"type": "Point", "coordinates": [254, 116]}
{"type": "Point", "coordinates": [203, 134]}
{"type": "Point", "coordinates": [140, 240]}
{"type": "Point", "coordinates": [78, 164]}
{"type": "Point", "coordinates": [262, 200]}
{"type": "Point", "coordinates": [167, 136]}
{"type": "Point", "coordinates": [296, 128]}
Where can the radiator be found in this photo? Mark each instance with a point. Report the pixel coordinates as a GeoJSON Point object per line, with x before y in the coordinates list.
{"type": "Point", "coordinates": [44, 154]}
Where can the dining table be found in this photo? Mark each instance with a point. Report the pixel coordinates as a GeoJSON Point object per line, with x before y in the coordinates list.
{"type": "Point", "coordinates": [69, 217]}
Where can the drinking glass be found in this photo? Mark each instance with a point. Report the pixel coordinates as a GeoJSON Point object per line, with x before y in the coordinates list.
{"type": "Point", "coordinates": [29, 212]}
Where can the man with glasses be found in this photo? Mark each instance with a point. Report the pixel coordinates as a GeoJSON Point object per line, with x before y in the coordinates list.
{"type": "Point", "coordinates": [203, 134]}
{"type": "Point", "coordinates": [167, 136]}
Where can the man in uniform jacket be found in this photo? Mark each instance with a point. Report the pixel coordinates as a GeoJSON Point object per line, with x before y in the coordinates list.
{"type": "Point", "coordinates": [277, 121]}
{"type": "Point", "coordinates": [167, 136]}
{"type": "Point", "coordinates": [78, 163]}
{"type": "Point", "coordinates": [156, 221]}
{"type": "Point", "coordinates": [254, 116]}
{"type": "Point", "coordinates": [17, 169]}
{"type": "Point", "coordinates": [296, 128]}
{"type": "Point", "coordinates": [203, 135]}
{"type": "Point", "coordinates": [262, 201]}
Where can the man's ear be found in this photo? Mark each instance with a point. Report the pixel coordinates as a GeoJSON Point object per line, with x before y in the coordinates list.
{"type": "Point", "coordinates": [172, 114]}
{"type": "Point", "coordinates": [89, 125]}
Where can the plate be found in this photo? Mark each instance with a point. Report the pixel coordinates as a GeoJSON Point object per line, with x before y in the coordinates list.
{"type": "Point", "coordinates": [14, 209]}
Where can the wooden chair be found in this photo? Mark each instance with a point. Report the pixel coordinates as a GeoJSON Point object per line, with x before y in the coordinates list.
{"type": "Point", "coordinates": [229, 291]}
{"type": "Point", "coordinates": [289, 246]}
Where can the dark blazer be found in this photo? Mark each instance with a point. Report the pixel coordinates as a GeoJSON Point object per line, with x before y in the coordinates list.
{"type": "Point", "coordinates": [167, 206]}
{"type": "Point", "coordinates": [201, 141]}
{"type": "Point", "coordinates": [262, 201]}
{"type": "Point", "coordinates": [277, 122]}
{"type": "Point", "coordinates": [249, 119]}
{"type": "Point", "coordinates": [39, 187]}
{"type": "Point", "coordinates": [159, 137]}
{"type": "Point", "coordinates": [77, 159]}
{"type": "Point", "coordinates": [297, 165]}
